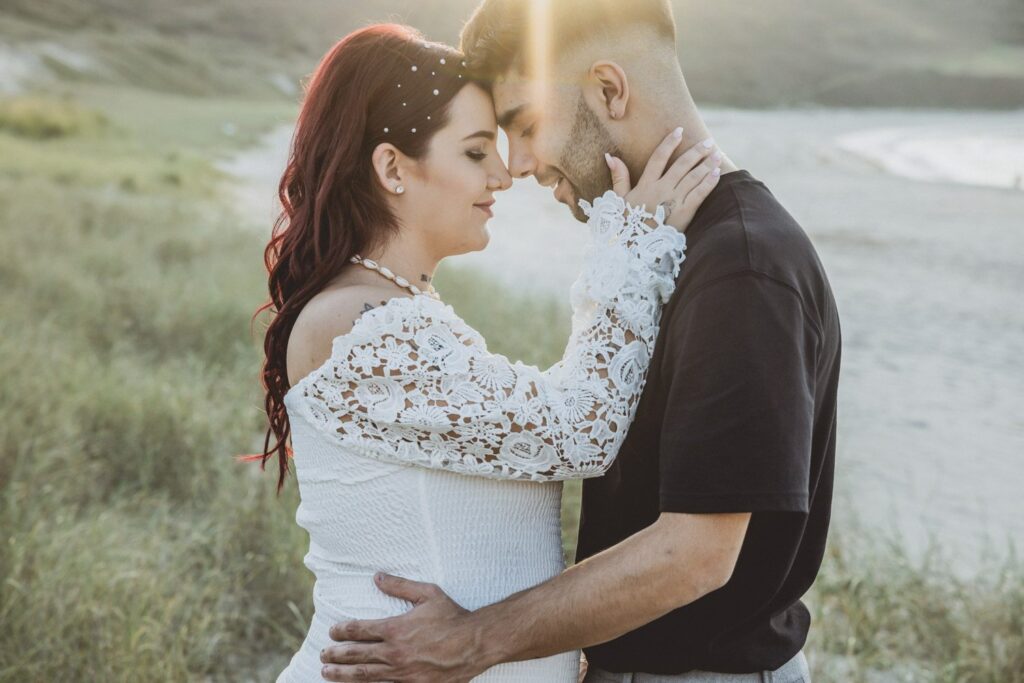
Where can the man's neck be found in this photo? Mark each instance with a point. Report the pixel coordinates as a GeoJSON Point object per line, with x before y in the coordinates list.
{"type": "Point", "coordinates": [648, 128]}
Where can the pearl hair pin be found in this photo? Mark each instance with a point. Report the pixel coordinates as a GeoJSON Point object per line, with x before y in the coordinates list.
{"type": "Point", "coordinates": [436, 91]}
{"type": "Point", "coordinates": [385, 272]}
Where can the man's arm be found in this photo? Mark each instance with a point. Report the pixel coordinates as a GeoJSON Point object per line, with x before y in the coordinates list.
{"type": "Point", "coordinates": [676, 560]}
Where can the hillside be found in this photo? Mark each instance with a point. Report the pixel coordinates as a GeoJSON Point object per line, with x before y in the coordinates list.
{"type": "Point", "coordinates": [783, 53]}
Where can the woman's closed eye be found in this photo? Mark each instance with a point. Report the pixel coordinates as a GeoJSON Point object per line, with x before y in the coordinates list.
{"type": "Point", "coordinates": [476, 156]}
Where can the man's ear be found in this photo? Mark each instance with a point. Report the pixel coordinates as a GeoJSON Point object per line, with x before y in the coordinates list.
{"type": "Point", "coordinates": [387, 162]}
{"type": "Point", "coordinates": [609, 88]}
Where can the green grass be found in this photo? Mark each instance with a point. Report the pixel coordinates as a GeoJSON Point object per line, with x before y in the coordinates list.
{"type": "Point", "coordinates": [992, 61]}
{"type": "Point", "coordinates": [134, 546]}
{"type": "Point", "coordinates": [39, 118]}
{"type": "Point", "coordinates": [875, 610]}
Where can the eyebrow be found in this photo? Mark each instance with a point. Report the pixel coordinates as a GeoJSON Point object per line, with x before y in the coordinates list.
{"type": "Point", "coordinates": [480, 134]}
{"type": "Point", "coordinates": [509, 117]}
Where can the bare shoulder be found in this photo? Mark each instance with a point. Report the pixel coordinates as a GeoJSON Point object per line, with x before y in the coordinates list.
{"type": "Point", "coordinates": [328, 315]}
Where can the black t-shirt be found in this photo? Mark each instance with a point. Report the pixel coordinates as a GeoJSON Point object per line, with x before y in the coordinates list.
{"type": "Point", "coordinates": [738, 415]}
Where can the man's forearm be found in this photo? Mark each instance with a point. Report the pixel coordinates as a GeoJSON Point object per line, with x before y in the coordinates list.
{"type": "Point", "coordinates": [665, 566]}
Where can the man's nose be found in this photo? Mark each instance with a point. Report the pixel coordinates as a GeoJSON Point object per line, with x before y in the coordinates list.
{"type": "Point", "coordinates": [521, 161]}
{"type": "Point", "coordinates": [522, 168]}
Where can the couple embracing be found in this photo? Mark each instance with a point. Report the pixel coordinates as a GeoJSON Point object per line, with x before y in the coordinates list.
{"type": "Point", "coordinates": [696, 396]}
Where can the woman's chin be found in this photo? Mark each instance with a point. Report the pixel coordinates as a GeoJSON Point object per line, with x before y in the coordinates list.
{"type": "Point", "coordinates": [481, 238]}
{"type": "Point", "coordinates": [481, 241]}
{"type": "Point", "coordinates": [484, 239]}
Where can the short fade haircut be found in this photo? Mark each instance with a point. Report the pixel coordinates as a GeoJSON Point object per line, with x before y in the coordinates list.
{"type": "Point", "coordinates": [494, 38]}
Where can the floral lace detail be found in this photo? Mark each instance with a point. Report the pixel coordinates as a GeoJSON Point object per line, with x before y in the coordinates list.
{"type": "Point", "coordinates": [413, 384]}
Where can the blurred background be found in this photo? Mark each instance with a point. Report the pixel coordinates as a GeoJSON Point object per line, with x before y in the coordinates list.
{"type": "Point", "coordinates": [140, 147]}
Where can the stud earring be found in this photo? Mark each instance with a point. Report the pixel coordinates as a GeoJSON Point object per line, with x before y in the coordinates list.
{"type": "Point", "coordinates": [399, 189]}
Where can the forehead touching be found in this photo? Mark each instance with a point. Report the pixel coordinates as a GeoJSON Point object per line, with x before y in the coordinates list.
{"type": "Point", "coordinates": [470, 114]}
{"type": "Point", "coordinates": [512, 100]}
{"type": "Point", "coordinates": [520, 99]}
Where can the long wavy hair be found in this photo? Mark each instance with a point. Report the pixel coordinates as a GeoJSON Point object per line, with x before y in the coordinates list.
{"type": "Point", "coordinates": [381, 83]}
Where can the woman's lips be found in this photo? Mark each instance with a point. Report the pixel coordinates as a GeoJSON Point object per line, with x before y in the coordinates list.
{"type": "Point", "coordinates": [486, 208]}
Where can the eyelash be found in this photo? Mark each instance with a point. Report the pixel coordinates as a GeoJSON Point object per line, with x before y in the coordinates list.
{"type": "Point", "coordinates": [476, 156]}
{"type": "Point", "coordinates": [528, 132]}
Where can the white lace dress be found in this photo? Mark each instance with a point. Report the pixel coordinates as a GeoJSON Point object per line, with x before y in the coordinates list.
{"type": "Point", "coordinates": [420, 453]}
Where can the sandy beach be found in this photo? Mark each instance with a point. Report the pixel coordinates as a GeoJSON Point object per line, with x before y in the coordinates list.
{"type": "Point", "coordinates": [920, 227]}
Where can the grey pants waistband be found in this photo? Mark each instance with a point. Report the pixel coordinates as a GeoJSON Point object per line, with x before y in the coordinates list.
{"type": "Point", "coordinates": [793, 671]}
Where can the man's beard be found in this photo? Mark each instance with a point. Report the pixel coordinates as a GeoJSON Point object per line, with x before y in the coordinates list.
{"type": "Point", "coordinates": [583, 158]}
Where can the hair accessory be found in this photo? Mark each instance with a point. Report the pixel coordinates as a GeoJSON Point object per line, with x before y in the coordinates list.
{"type": "Point", "coordinates": [436, 91]}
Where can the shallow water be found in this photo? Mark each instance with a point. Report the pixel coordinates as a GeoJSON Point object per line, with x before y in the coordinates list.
{"type": "Point", "coordinates": [927, 264]}
{"type": "Point", "coordinates": [965, 152]}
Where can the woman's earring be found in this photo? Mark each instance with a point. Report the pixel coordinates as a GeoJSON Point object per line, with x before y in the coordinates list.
{"type": "Point", "coordinates": [399, 189]}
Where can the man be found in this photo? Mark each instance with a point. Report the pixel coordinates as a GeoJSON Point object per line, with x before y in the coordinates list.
{"type": "Point", "coordinates": [695, 548]}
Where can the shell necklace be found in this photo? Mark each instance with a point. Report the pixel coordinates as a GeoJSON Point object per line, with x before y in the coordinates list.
{"type": "Point", "coordinates": [397, 279]}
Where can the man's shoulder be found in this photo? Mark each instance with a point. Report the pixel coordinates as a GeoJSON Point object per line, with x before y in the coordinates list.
{"type": "Point", "coordinates": [749, 231]}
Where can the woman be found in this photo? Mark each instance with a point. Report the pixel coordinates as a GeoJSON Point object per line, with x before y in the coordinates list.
{"type": "Point", "coordinates": [390, 399]}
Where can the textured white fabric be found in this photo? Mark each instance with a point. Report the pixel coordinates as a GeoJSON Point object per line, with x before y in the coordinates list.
{"type": "Point", "coordinates": [411, 401]}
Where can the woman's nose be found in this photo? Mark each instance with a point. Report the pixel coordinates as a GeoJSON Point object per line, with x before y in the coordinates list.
{"type": "Point", "coordinates": [502, 180]}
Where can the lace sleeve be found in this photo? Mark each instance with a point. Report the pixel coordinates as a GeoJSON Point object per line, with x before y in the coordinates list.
{"type": "Point", "coordinates": [413, 383]}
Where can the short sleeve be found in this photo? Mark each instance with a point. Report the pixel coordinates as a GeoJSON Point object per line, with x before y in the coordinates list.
{"type": "Point", "coordinates": [739, 389]}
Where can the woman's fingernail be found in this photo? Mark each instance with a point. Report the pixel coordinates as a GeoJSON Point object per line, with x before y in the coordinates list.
{"type": "Point", "coordinates": [677, 133]}
{"type": "Point", "coordinates": [717, 172]}
{"type": "Point", "coordinates": [717, 156]}
{"type": "Point", "coordinates": [608, 158]}
{"type": "Point", "coordinates": [708, 143]}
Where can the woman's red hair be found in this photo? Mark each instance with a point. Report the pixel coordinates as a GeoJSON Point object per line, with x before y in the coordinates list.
{"type": "Point", "coordinates": [333, 204]}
